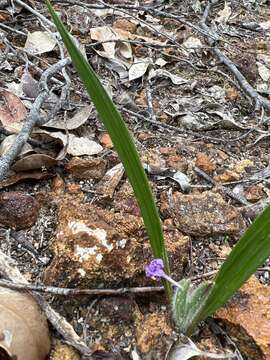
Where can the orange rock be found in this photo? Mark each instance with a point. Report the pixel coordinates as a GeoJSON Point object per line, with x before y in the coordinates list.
{"type": "Point", "coordinates": [87, 168]}
{"type": "Point", "coordinates": [94, 244]}
{"type": "Point", "coordinates": [167, 151]}
{"type": "Point", "coordinates": [177, 162]}
{"type": "Point", "coordinates": [106, 141]}
{"type": "Point", "coordinates": [254, 193]}
{"type": "Point", "coordinates": [247, 319]}
{"type": "Point", "coordinates": [18, 210]}
{"type": "Point", "coordinates": [125, 24]}
{"type": "Point", "coordinates": [232, 94]}
{"type": "Point", "coordinates": [58, 185]}
{"type": "Point", "coordinates": [203, 162]}
{"type": "Point", "coordinates": [149, 330]}
{"type": "Point", "coordinates": [228, 175]}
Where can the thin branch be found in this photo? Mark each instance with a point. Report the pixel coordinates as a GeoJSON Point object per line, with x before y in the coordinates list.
{"type": "Point", "coordinates": [9, 271]}
{"type": "Point", "coordinates": [31, 120]}
{"type": "Point", "coordinates": [224, 59]}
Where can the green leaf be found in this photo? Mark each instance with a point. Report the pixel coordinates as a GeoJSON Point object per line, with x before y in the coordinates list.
{"type": "Point", "coordinates": [249, 253]}
{"type": "Point", "coordinates": [122, 141]}
{"type": "Point", "coordinates": [187, 303]}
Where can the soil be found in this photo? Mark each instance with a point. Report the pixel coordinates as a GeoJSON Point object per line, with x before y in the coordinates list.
{"type": "Point", "coordinates": [206, 121]}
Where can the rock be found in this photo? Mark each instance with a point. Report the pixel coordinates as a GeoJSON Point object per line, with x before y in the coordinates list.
{"type": "Point", "coordinates": [18, 210]}
{"type": "Point", "coordinates": [203, 214]}
{"type": "Point", "coordinates": [241, 166]}
{"type": "Point", "coordinates": [87, 169]}
{"type": "Point", "coordinates": [247, 319]}
{"type": "Point", "coordinates": [117, 309]}
{"type": "Point", "coordinates": [227, 176]}
{"type": "Point", "coordinates": [95, 245]}
{"type": "Point", "coordinates": [150, 329]}
{"type": "Point", "coordinates": [106, 187]}
{"type": "Point", "coordinates": [125, 24]}
{"type": "Point", "coordinates": [203, 162]}
{"type": "Point", "coordinates": [106, 141]}
{"type": "Point", "coordinates": [125, 200]}
{"type": "Point", "coordinates": [64, 352]}
{"type": "Point", "coordinates": [254, 193]}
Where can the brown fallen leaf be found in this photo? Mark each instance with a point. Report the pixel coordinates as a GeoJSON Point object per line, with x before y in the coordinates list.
{"type": "Point", "coordinates": [13, 112]}
{"type": "Point", "coordinates": [34, 162]}
{"type": "Point", "coordinates": [22, 176]}
{"type": "Point", "coordinates": [23, 328]}
{"type": "Point", "coordinates": [72, 123]}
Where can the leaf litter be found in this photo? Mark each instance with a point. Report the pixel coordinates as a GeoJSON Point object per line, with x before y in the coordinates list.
{"type": "Point", "coordinates": [136, 52]}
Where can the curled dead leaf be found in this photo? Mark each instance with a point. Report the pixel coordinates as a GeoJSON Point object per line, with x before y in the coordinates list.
{"type": "Point", "coordinates": [12, 111]}
{"type": "Point", "coordinates": [39, 42]}
{"type": "Point", "coordinates": [72, 123]}
{"type": "Point", "coordinates": [34, 162]}
{"type": "Point", "coordinates": [23, 329]}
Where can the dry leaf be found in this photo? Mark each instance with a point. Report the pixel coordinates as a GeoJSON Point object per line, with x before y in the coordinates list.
{"type": "Point", "coordinates": [264, 71]}
{"type": "Point", "coordinates": [12, 112]}
{"type": "Point", "coordinates": [138, 69]}
{"type": "Point", "coordinates": [32, 175]}
{"type": "Point", "coordinates": [186, 350]}
{"type": "Point", "coordinates": [34, 162]}
{"type": "Point", "coordinates": [8, 141]}
{"type": "Point", "coordinates": [72, 123]}
{"type": "Point", "coordinates": [24, 330]}
{"type": "Point", "coordinates": [77, 146]}
{"type": "Point", "coordinates": [224, 14]}
{"type": "Point", "coordinates": [265, 25]}
{"type": "Point", "coordinates": [191, 44]}
{"type": "Point", "coordinates": [112, 49]}
{"type": "Point", "coordinates": [39, 42]}
{"type": "Point", "coordinates": [176, 80]}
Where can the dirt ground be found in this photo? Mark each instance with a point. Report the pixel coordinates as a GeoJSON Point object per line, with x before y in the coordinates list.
{"type": "Point", "coordinates": [192, 82]}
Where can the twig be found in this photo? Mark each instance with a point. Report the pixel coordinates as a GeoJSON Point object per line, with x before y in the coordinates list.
{"type": "Point", "coordinates": [79, 292]}
{"type": "Point", "coordinates": [228, 192]}
{"type": "Point", "coordinates": [183, 132]}
{"type": "Point", "coordinates": [31, 120]}
{"type": "Point", "coordinates": [9, 271]}
{"type": "Point", "coordinates": [249, 90]}
{"type": "Point", "coordinates": [34, 12]}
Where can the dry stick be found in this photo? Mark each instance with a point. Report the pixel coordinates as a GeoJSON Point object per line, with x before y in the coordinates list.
{"type": "Point", "coordinates": [228, 192]}
{"type": "Point", "coordinates": [250, 91]}
{"type": "Point", "coordinates": [183, 132]}
{"type": "Point", "coordinates": [9, 271]}
{"type": "Point", "coordinates": [31, 120]}
{"type": "Point", "coordinates": [34, 12]}
{"type": "Point", "coordinates": [19, 285]}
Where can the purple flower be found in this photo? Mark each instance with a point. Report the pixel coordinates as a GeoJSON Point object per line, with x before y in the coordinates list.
{"type": "Point", "coordinates": [155, 271]}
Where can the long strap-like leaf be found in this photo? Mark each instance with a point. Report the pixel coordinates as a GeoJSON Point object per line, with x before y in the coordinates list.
{"type": "Point", "coordinates": [248, 254]}
{"type": "Point", "coordinates": [122, 141]}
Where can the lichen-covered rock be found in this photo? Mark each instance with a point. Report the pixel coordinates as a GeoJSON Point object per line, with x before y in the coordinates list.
{"type": "Point", "coordinates": [95, 245]}
{"type": "Point", "coordinates": [247, 319]}
{"type": "Point", "coordinates": [18, 210]}
{"type": "Point", "coordinates": [87, 168]}
{"type": "Point", "coordinates": [202, 214]}
{"type": "Point", "coordinates": [150, 329]}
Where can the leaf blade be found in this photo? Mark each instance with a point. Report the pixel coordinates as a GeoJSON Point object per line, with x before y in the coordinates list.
{"type": "Point", "coordinates": [249, 253]}
{"type": "Point", "coordinates": [122, 141]}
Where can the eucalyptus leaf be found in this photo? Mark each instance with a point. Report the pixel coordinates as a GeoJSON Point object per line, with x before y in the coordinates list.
{"type": "Point", "coordinates": [122, 141]}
